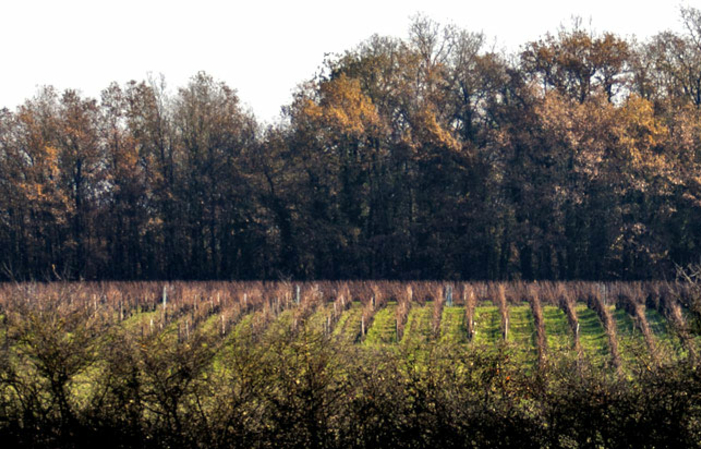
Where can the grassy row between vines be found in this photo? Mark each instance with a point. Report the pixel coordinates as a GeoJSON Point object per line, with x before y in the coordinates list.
{"type": "Point", "coordinates": [348, 365]}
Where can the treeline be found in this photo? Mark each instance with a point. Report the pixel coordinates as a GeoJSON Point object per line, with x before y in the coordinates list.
{"type": "Point", "coordinates": [427, 157]}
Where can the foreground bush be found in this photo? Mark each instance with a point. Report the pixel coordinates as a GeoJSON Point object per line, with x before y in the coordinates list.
{"type": "Point", "coordinates": [82, 366]}
{"type": "Point", "coordinates": [70, 380]}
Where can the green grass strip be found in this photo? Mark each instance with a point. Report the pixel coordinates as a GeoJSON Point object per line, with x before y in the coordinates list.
{"type": "Point", "coordinates": [383, 329]}
{"type": "Point", "coordinates": [557, 330]}
{"type": "Point", "coordinates": [668, 345]}
{"type": "Point", "coordinates": [348, 327]}
{"type": "Point", "coordinates": [320, 319]}
{"type": "Point", "coordinates": [631, 343]}
{"type": "Point", "coordinates": [487, 325]}
{"type": "Point", "coordinates": [278, 326]}
{"type": "Point", "coordinates": [211, 324]}
{"type": "Point", "coordinates": [419, 324]}
{"type": "Point", "coordinates": [592, 336]}
{"type": "Point", "coordinates": [139, 318]}
{"type": "Point", "coordinates": [522, 336]}
{"type": "Point", "coordinates": [453, 330]}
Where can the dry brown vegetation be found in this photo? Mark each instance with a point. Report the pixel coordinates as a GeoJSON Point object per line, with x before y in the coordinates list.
{"type": "Point", "coordinates": [149, 307]}
{"type": "Point", "coordinates": [257, 364]}
{"type": "Point", "coordinates": [537, 311]}
{"type": "Point", "coordinates": [596, 297]}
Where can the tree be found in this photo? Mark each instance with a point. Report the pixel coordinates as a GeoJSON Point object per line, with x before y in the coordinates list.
{"type": "Point", "coordinates": [214, 139]}
{"type": "Point", "coordinates": [578, 64]}
{"type": "Point", "coordinates": [82, 174]}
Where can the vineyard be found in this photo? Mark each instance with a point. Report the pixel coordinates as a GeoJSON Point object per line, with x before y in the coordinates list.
{"type": "Point", "coordinates": [611, 325]}
{"type": "Point", "coordinates": [288, 364]}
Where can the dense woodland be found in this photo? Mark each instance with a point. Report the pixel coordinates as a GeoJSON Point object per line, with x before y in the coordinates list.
{"type": "Point", "coordinates": [434, 156]}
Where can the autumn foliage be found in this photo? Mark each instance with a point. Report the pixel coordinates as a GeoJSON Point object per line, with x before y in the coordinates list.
{"type": "Point", "coordinates": [430, 157]}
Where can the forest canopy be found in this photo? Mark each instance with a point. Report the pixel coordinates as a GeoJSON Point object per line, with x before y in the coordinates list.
{"type": "Point", "coordinates": [429, 157]}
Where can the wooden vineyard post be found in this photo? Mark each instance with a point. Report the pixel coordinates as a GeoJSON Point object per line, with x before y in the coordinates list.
{"type": "Point", "coordinates": [165, 303]}
{"type": "Point", "coordinates": [602, 287]}
{"type": "Point", "coordinates": [503, 309]}
{"type": "Point", "coordinates": [469, 299]}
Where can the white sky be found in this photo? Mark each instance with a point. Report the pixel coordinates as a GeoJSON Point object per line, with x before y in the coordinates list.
{"type": "Point", "coordinates": [262, 48]}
